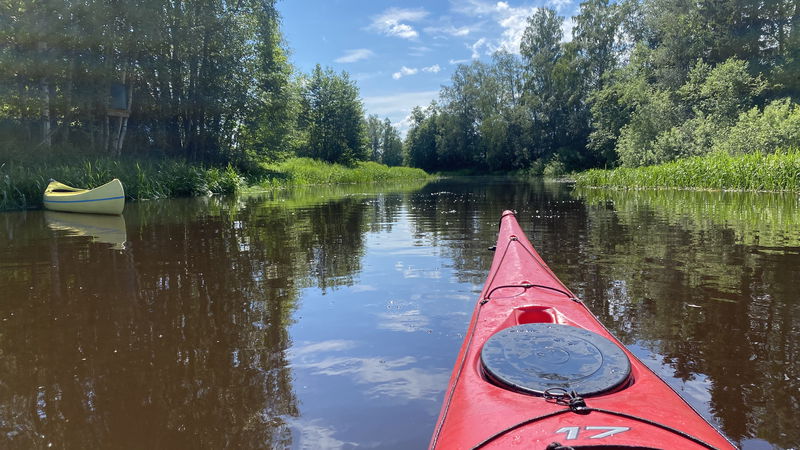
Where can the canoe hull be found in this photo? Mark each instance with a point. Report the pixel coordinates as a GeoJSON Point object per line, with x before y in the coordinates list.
{"type": "Point", "coordinates": [641, 411]}
{"type": "Point", "coordinates": [106, 199]}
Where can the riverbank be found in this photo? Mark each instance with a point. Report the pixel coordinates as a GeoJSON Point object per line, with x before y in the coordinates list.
{"type": "Point", "coordinates": [21, 186]}
{"type": "Point", "coordinates": [779, 171]}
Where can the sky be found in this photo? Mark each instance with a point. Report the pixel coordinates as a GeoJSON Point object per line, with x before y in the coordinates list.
{"type": "Point", "coordinates": [400, 53]}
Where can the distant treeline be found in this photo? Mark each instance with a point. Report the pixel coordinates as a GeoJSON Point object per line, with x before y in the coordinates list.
{"type": "Point", "coordinates": [204, 81]}
{"type": "Point", "coordinates": [641, 82]}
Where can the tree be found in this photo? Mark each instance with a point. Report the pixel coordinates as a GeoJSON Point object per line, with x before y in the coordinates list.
{"type": "Point", "coordinates": [333, 116]}
{"type": "Point", "coordinates": [421, 139]}
{"type": "Point", "coordinates": [391, 144]}
{"type": "Point", "coordinates": [375, 131]}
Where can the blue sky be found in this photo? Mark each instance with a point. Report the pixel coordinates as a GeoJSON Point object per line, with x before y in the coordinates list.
{"type": "Point", "coordinates": [401, 53]}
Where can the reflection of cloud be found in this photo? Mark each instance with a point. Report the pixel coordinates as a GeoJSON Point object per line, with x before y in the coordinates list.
{"type": "Point", "coordinates": [363, 288]}
{"type": "Point", "coordinates": [387, 377]}
{"type": "Point", "coordinates": [313, 435]}
{"type": "Point", "coordinates": [411, 272]}
{"type": "Point", "coordinates": [408, 321]}
{"type": "Point", "coordinates": [318, 347]}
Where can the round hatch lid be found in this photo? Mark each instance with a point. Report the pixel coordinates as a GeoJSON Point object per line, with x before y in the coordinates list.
{"type": "Point", "coordinates": [534, 357]}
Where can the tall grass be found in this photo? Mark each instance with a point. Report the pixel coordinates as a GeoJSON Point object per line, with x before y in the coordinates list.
{"type": "Point", "coordinates": [22, 185]}
{"type": "Point", "coordinates": [303, 171]}
{"type": "Point", "coordinates": [779, 171]}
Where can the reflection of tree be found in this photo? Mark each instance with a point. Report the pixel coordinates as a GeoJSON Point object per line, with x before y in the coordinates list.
{"type": "Point", "coordinates": [177, 342]}
{"type": "Point", "coordinates": [700, 279]}
{"type": "Point", "coordinates": [705, 279]}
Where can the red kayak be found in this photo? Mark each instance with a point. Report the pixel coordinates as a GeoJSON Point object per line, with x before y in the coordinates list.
{"type": "Point", "coordinates": [537, 370]}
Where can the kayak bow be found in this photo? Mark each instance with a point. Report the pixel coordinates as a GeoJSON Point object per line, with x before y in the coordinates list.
{"type": "Point", "coordinates": [538, 370]}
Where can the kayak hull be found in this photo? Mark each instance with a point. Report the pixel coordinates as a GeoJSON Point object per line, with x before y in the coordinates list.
{"type": "Point", "coordinates": [480, 411]}
{"type": "Point", "coordinates": [106, 199]}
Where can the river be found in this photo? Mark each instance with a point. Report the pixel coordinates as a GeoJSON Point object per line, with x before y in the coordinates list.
{"type": "Point", "coordinates": [330, 317]}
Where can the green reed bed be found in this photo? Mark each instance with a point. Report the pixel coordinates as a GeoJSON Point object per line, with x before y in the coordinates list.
{"type": "Point", "coordinates": [22, 186]}
{"type": "Point", "coordinates": [779, 171]}
{"type": "Point", "coordinates": [302, 171]}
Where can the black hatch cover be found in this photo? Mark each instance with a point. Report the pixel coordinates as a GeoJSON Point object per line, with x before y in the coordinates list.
{"type": "Point", "coordinates": [534, 357]}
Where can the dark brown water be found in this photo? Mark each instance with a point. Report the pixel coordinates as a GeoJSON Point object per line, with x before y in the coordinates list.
{"type": "Point", "coordinates": [331, 318]}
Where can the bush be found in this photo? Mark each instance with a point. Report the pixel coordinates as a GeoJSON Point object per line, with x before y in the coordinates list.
{"type": "Point", "coordinates": [778, 126]}
{"type": "Point", "coordinates": [554, 168]}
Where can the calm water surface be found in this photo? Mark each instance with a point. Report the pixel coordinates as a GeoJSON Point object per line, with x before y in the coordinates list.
{"type": "Point", "coordinates": [331, 317]}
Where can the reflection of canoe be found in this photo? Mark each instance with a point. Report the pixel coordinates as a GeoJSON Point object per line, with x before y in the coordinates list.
{"type": "Point", "coordinates": [537, 368]}
{"type": "Point", "coordinates": [103, 228]}
{"type": "Point", "coordinates": [106, 199]}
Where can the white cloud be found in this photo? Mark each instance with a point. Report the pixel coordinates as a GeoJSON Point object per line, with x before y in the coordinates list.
{"type": "Point", "coordinates": [449, 30]}
{"type": "Point", "coordinates": [432, 69]}
{"type": "Point", "coordinates": [512, 20]}
{"type": "Point", "coordinates": [391, 22]}
{"type": "Point", "coordinates": [404, 72]}
{"type": "Point", "coordinates": [458, 61]}
{"type": "Point", "coordinates": [566, 28]}
{"type": "Point", "coordinates": [398, 107]}
{"type": "Point", "coordinates": [476, 47]}
{"type": "Point", "coordinates": [354, 55]}
{"type": "Point", "coordinates": [559, 4]}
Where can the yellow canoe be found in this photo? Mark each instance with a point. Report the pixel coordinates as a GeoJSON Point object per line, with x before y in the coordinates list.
{"type": "Point", "coordinates": [106, 199]}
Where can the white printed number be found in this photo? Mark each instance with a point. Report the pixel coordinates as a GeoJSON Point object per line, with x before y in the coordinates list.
{"type": "Point", "coordinates": [572, 432]}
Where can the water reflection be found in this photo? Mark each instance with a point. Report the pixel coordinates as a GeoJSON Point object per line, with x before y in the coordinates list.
{"type": "Point", "coordinates": [102, 228]}
{"type": "Point", "coordinates": [700, 291]}
{"type": "Point", "coordinates": [331, 317]}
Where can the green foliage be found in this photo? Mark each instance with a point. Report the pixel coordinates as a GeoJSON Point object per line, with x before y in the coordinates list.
{"type": "Point", "coordinates": [308, 171]}
{"type": "Point", "coordinates": [421, 139]}
{"type": "Point", "coordinates": [655, 114]}
{"type": "Point", "coordinates": [779, 171]}
{"type": "Point", "coordinates": [206, 81]}
{"type": "Point", "coordinates": [554, 168]}
{"type": "Point", "coordinates": [332, 117]}
{"type": "Point", "coordinates": [777, 126]}
{"type": "Point", "coordinates": [641, 82]}
{"type": "Point", "coordinates": [22, 186]}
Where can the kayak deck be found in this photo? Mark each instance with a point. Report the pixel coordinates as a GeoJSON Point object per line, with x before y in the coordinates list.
{"type": "Point", "coordinates": [523, 299]}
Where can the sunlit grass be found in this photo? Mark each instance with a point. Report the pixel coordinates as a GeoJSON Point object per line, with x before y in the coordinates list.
{"type": "Point", "coordinates": [22, 185]}
{"type": "Point", "coordinates": [779, 171]}
{"type": "Point", "coordinates": [301, 171]}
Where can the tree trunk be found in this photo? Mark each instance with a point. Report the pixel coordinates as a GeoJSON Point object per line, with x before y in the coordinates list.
{"type": "Point", "coordinates": [44, 88]}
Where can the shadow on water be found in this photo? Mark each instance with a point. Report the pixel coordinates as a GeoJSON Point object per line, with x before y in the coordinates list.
{"type": "Point", "coordinates": [331, 317]}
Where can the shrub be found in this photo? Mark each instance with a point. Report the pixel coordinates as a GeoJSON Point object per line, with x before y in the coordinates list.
{"type": "Point", "coordinates": [777, 126]}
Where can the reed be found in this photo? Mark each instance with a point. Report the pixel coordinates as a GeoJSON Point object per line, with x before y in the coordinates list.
{"type": "Point", "coordinates": [779, 171]}
{"type": "Point", "coordinates": [22, 185]}
{"type": "Point", "coordinates": [306, 171]}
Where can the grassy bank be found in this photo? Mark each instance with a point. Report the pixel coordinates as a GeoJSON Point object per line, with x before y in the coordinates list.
{"type": "Point", "coordinates": [21, 186]}
{"type": "Point", "coordinates": [778, 171]}
{"type": "Point", "coordinates": [306, 171]}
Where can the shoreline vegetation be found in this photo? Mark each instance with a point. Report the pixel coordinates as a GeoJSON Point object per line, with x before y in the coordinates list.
{"type": "Point", "coordinates": [22, 186]}
{"type": "Point", "coordinates": [774, 172]}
